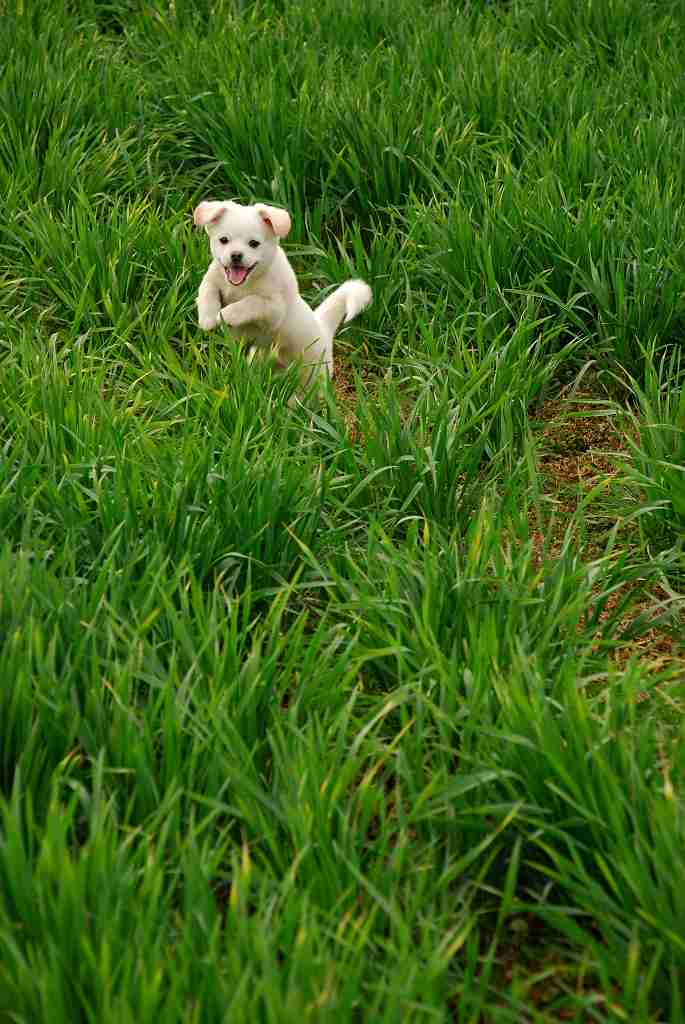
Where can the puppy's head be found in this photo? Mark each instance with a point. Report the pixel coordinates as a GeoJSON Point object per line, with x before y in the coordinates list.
{"type": "Point", "coordinates": [243, 239]}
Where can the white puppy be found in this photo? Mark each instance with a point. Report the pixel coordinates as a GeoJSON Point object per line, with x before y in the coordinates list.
{"type": "Point", "coordinates": [251, 287]}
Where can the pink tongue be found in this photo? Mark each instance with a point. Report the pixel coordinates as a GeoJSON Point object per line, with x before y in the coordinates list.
{"type": "Point", "coordinates": [236, 275]}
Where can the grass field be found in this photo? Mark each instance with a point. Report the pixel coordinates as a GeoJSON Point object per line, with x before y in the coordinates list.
{"type": "Point", "coordinates": [369, 711]}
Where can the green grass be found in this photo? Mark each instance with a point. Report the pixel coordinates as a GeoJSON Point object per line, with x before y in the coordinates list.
{"type": "Point", "coordinates": [331, 714]}
{"type": "Point", "coordinates": [656, 445]}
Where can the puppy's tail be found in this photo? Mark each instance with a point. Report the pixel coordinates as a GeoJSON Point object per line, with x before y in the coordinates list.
{"type": "Point", "coordinates": [343, 304]}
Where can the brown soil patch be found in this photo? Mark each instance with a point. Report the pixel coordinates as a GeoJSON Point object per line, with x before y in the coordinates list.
{"type": "Point", "coordinates": [578, 449]}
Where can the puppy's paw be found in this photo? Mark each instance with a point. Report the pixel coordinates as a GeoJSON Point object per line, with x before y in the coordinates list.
{"type": "Point", "coordinates": [231, 316]}
{"type": "Point", "coordinates": [207, 321]}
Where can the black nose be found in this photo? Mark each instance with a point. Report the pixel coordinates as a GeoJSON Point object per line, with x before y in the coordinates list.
{"type": "Point", "coordinates": [236, 257]}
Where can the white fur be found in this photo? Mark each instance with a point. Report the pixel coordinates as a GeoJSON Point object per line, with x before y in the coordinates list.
{"type": "Point", "coordinates": [253, 288]}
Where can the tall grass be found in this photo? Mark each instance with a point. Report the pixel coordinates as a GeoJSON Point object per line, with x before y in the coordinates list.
{"type": "Point", "coordinates": [324, 712]}
{"type": "Point", "coordinates": [655, 470]}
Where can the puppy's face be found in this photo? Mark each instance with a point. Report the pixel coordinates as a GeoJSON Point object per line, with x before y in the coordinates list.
{"type": "Point", "coordinates": [243, 239]}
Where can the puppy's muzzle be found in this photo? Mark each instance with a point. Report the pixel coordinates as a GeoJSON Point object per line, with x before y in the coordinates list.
{"type": "Point", "coordinates": [236, 271]}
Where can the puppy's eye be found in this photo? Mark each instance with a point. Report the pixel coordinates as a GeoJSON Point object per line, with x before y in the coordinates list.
{"type": "Point", "coordinates": [253, 243]}
{"type": "Point", "coordinates": [224, 240]}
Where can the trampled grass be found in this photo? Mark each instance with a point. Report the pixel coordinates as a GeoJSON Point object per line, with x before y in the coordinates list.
{"type": "Point", "coordinates": [336, 713]}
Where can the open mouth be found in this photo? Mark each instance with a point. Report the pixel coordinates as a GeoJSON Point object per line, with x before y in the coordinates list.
{"type": "Point", "coordinates": [237, 275]}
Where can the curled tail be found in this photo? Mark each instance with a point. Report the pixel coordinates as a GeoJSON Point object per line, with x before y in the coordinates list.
{"type": "Point", "coordinates": [343, 304]}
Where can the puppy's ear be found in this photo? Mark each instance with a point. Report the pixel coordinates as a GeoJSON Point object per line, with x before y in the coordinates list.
{"type": "Point", "coordinates": [208, 213]}
{"type": "Point", "coordinates": [277, 220]}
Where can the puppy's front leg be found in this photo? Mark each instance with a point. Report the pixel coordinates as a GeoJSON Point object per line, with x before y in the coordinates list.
{"type": "Point", "coordinates": [250, 310]}
{"type": "Point", "coordinates": [208, 303]}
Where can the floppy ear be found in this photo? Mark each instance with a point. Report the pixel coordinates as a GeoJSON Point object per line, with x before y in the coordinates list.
{"type": "Point", "coordinates": [208, 213]}
{"type": "Point", "coordinates": [278, 220]}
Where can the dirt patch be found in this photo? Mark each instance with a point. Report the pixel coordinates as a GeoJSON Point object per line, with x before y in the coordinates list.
{"type": "Point", "coordinates": [578, 453]}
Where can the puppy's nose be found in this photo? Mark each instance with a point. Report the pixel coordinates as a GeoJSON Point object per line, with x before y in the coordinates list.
{"type": "Point", "coordinates": [236, 258]}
